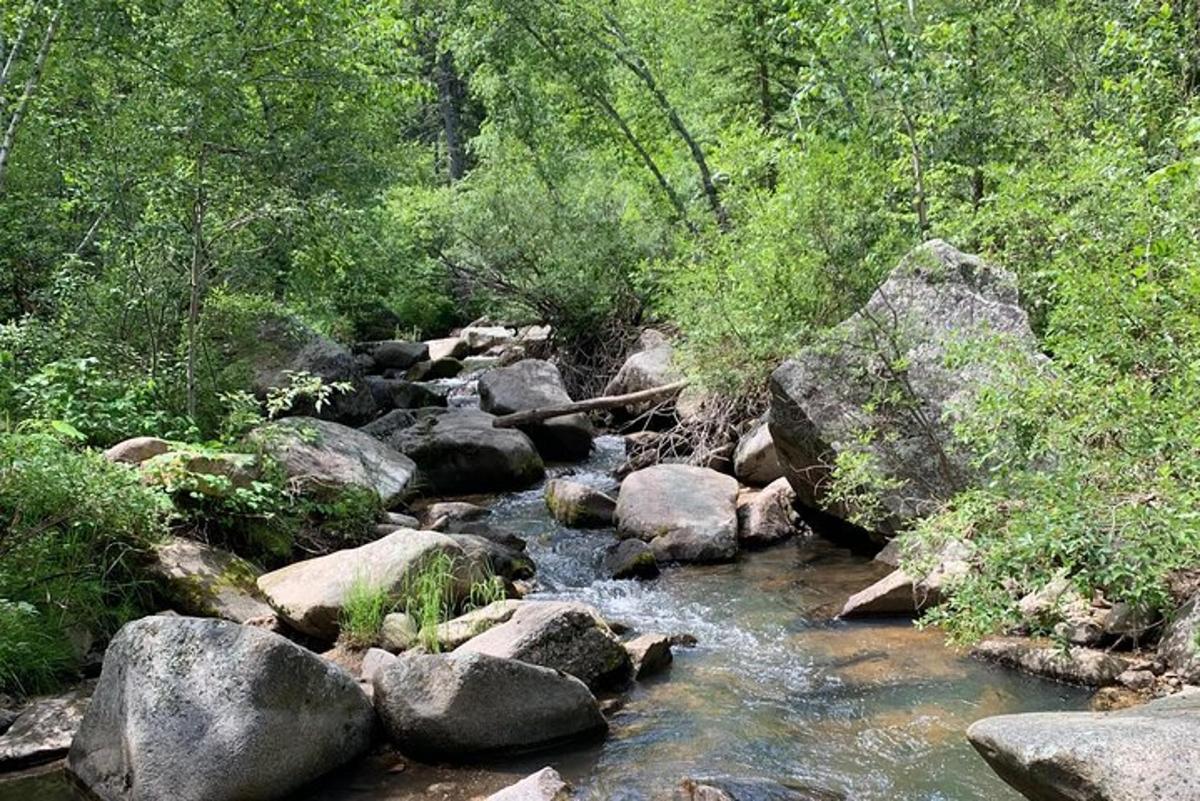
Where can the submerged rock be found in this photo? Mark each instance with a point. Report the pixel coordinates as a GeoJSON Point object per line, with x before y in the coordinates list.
{"type": "Point", "coordinates": [570, 637]}
{"type": "Point", "coordinates": [463, 705]}
{"type": "Point", "coordinates": [1087, 666]}
{"type": "Point", "coordinates": [460, 451]}
{"type": "Point", "coordinates": [1139, 754]}
{"type": "Point", "coordinates": [825, 398]}
{"type": "Point", "coordinates": [320, 455]}
{"type": "Point", "coordinates": [534, 384]}
{"type": "Point", "coordinates": [43, 730]}
{"type": "Point", "coordinates": [730, 788]}
{"type": "Point", "coordinates": [687, 514]}
{"type": "Point", "coordinates": [198, 579]}
{"type": "Point", "coordinates": [206, 710]}
{"type": "Point", "coordinates": [578, 505]}
{"type": "Point", "coordinates": [545, 785]}
{"type": "Point", "coordinates": [310, 595]}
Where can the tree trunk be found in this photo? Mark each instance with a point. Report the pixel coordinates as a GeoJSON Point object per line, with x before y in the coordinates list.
{"type": "Point", "coordinates": [591, 404]}
{"type": "Point", "coordinates": [195, 283]}
{"type": "Point", "coordinates": [449, 88]}
{"type": "Point", "coordinates": [31, 83]}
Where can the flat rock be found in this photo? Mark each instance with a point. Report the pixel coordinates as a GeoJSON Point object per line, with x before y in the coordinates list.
{"type": "Point", "coordinates": [309, 595]}
{"type": "Point", "coordinates": [463, 705]}
{"type": "Point", "coordinates": [578, 505]}
{"type": "Point", "coordinates": [1087, 666]}
{"type": "Point", "coordinates": [687, 514]}
{"type": "Point", "coordinates": [201, 580]}
{"type": "Point", "coordinates": [545, 785]}
{"type": "Point", "coordinates": [453, 633]}
{"type": "Point", "coordinates": [570, 637]}
{"type": "Point", "coordinates": [453, 511]}
{"type": "Point", "coordinates": [43, 731]}
{"type": "Point", "coordinates": [1139, 754]}
{"type": "Point", "coordinates": [320, 455]}
{"type": "Point", "coordinates": [447, 348]}
{"type": "Point", "coordinates": [207, 710]}
{"type": "Point", "coordinates": [534, 384]}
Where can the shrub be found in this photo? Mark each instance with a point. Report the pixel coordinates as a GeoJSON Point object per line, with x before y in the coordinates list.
{"type": "Point", "coordinates": [73, 528]}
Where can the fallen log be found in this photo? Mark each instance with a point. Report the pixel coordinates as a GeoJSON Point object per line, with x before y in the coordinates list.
{"type": "Point", "coordinates": [591, 404]}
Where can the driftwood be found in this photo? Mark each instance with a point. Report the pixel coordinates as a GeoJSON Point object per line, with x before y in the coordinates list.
{"type": "Point", "coordinates": [589, 405]}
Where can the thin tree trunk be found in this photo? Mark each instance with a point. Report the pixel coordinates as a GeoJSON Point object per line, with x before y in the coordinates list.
{"type": "Point", "coordinates": [11, 58]}
{"type": "Point", "coordinates": [591, 404]}
{"type": "Point", "coordinates": [31, 84]}
{"type": "Point", "coordinates": [195, 283]}
{"type": "Point", "coordinates": [450, 102]}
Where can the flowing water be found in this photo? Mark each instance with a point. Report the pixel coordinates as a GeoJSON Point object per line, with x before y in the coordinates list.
{"type": "Point", "coordinates": [772, 689]}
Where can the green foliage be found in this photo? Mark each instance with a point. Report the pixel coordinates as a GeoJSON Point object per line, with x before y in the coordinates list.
{"type": "Point", "coordinates": [73, 529]}
{"type": "Point", "coordinates": [363, 610]}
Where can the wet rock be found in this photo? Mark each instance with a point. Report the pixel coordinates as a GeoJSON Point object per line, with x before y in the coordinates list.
{"type": "Point", "coordinates": [630, 559]}
{"type": "Point", "coordinates": [394, 354]}
{"type": "Point", "coordinates": [309, 595]}
{"type": "Point", "coordinates": [570, 637]}
{"type": "Point", "coordinates": [769, 515]}
{"type": "Point", "coordinates": [206, 710]}
{"type": "Point", "coordinates": [687, 514]}
{"type": "Point", "coordinates": [200, 580]}
{"type": "Point", "coordinates": [825, 397]}
{"type": "Point", "coordinates": [462, 705]}
{"type": "Point", "coordinates": [399, 632]}
{"type": "Point", "coordinates": [1178, 646]}
{"type": "Point", "coordinates": [545, 785]}
{"type": "Point", "coordinates": [755, 461]}
{"type": "Point", "coordinates": [453, 511]}
{"type": "Point", "coordinates": [43, 730]}
{"type": "Point", "coordinates": [448, 348]}
{"type": "Point", "coordinates": [651, 365]}
{"type": "Point", "coordinates": [728, 788]}
{"type": "Point", "coordinates": [320, 455]}
{"type": "Point", "coordinates": [578, 505]}
{"type": "Point", "coordinates": [649, 654]}
{"type": "Point", "coordinates": [396, 393]}
{"type": "Point", "coordinates": [210, 473]}
{"type": "Point", "coordinates": [459, 451]}
{"type": "Point", "coordinates": [534, 384]}
{"type": "Point", "coordinates": [453, 633]}
{"type": "Point", "coordinates": [1087, 666]}
{"type": "Point", "coordinates": [1148, 752]}
{"type": "Point", "coordinates": [137, 450]}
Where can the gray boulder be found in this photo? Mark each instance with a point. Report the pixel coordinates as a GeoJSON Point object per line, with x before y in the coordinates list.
{"type": "Point", "coordinates": [206, 710]}
{"type": "Point", "coordinates": [448, 348]}
{"type": "Point", "coordinates": [534, 384]}
{"type": "Point", "coordinates": [484, 337]}
{"type": "Point", "coordinates": [650, 365]}
{"type": "Point", "coordinates": [545, 785]}
{"type": "Point", "coordinates": [137, 450]}
{"type": "Point", "coordinates": [767, 516]}
{"type": "Point", "coordinates": [459, 450]}
{"type": "Point", "coordinates": [394, 354]}
{"type": "Point", "coordinates": [578, 505]}
{"type": "Point", "coordinates": [43, 731]}
{"type": "Point", "coordinates": [309, 595]}
{"type": "Point", "coordinates": [1178, 646]}
{"type": "Point", "coordinates": [630, 559]}
{"type": "Point", "coordinates": [1148, 752]}
{"type": "Point", "coordinates": [687, 514]}
{"type": "Point", "coordinates": [831, 393]}
{"type": "Point", "coordinates": [755, 461]}
{"type": "Point", "coordinates": [649, 654]}
{"type": "Point", "coordinates": [396, 393]}
{"type": "Point", "coordinates": [197, 579]}
{"type": "Point", "coordinates": [453, 633]}
{"type": "Point", "coordinates": [464, 705]}
{"type": "Point", "coordinates": [570, 637]}
{"type": "Point", "coordinates": [320, 455]}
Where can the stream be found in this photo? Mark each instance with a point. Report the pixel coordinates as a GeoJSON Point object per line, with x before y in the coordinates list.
{"type": "Point", "coordinates": [773, 688]}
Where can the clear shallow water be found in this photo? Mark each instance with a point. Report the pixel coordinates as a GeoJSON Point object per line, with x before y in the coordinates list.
{"type": "Point", "coordinates": [773, 689]}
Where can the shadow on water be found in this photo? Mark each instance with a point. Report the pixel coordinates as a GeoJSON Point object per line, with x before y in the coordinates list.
{"type": "Point", "coordinates": [876, 711]}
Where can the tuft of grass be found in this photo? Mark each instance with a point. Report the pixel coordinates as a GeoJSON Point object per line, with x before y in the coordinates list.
{"type": "Point", "coordinates": [363, 610]}
{"type": "Point", "coordinates": [430, 596]}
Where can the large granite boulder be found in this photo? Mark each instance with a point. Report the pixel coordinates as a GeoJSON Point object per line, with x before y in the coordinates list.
{"type": "Point", "coordinates": [393, 354]}
{"type": "Point", "coordinates": [459, 450]}
{"type": "Point", "coordinates": [198, 579]}
{"type": "Point", "coordinates": [207, 710]}
{"type": "Point", "coordinates": [320, 455]}
{"type": "Point", "coordinates": [1148, 752]}
{"type": "Point", "coordinates": [570, 637]}
{"type": "Point", "coordinates": [686, 513]}
{"type": "Point", "coordinates": [881, 386]}
{"type": "Point", "coordinates": [463, 705]}
{"type": "Point", "coordinates": [309, 595]}
{"type": "Point", "coordinates": [535, 384]}
{"type": "Point", "coordinates": [755, 461]}
{"type": "Point", "coordinates": [397, 393]}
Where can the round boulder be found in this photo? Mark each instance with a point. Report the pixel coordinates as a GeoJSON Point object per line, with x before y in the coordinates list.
{"type": "Point", "coordinates": [686, 513]}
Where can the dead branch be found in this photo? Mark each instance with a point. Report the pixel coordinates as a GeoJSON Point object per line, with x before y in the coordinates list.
{"type": "Point", "coordinates": [591, 404]}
